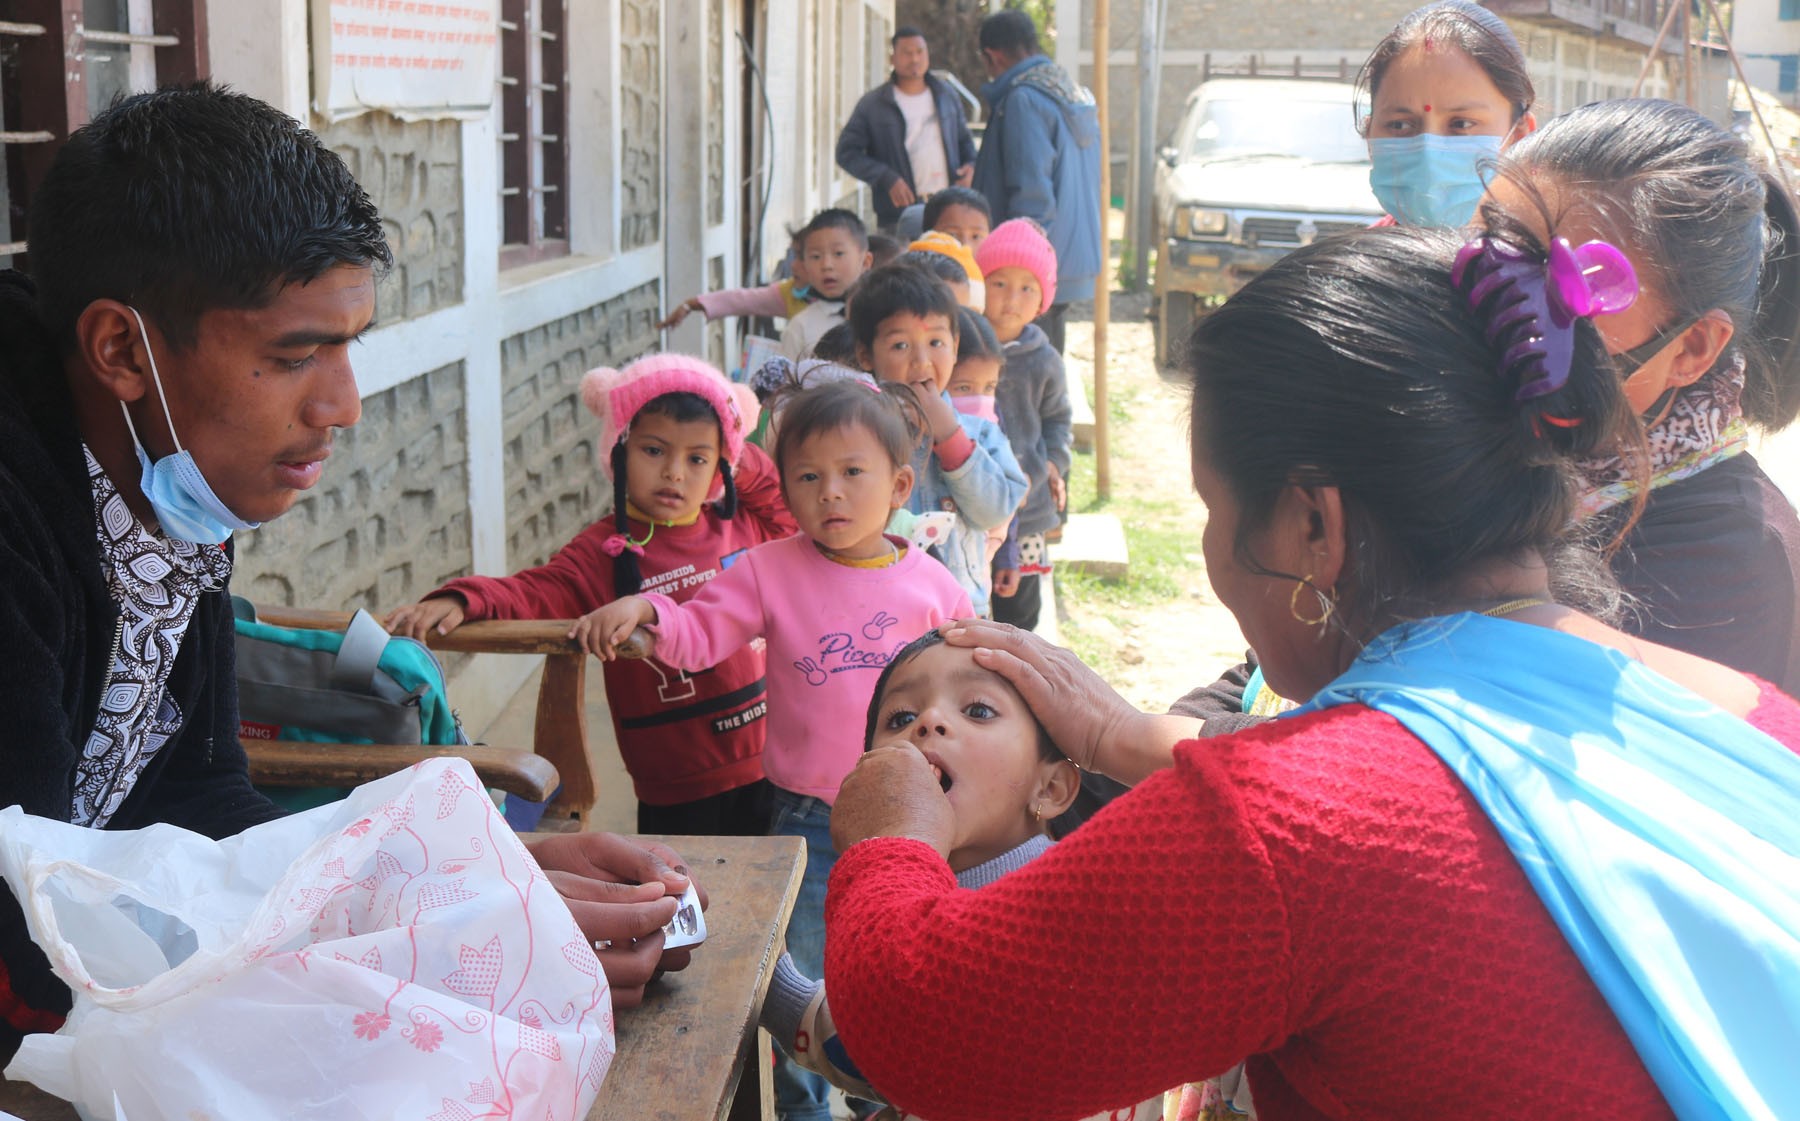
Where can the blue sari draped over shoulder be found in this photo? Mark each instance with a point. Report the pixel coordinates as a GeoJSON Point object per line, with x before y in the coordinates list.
{"type": "Point", "coordinates": [1661, 832]}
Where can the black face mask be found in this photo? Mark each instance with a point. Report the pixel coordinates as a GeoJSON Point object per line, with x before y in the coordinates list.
{"type": "Point", "coordinates": [1629, 362]}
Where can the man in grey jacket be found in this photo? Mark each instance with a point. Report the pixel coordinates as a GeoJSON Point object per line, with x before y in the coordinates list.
{"type": "Point", "coordinates": [1040, 157]}
{"type": "Point", "coordinates": [907, 137]}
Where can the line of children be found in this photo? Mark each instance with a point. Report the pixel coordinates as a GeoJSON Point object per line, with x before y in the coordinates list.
{"type": "Point", "coordinates": [833, 603]}
{"type": "Point", "coordinates": [782, 299]}
{"type": "Point", "coordinates": [1020, 270]}
{"type": "Point", "coordinates": [1004, 779]}
{"type": "Point", "coordinates": [932, 247]}
{"type": "Point", "coordinates": [905, 323]}
{"type": "Point", "coordinates": [973, 382]}
{"type": "Point", "coordinates": [690, 496]}
{"type": "Point", "coordinates": [961, 212]}
{"type": "Point", "coordinates": [947, 269]}
{"type": "Point", "coordinates": [836, 251]}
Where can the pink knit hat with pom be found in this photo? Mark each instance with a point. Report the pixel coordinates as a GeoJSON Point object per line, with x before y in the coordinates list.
{"type": "Point", "coordinates": [615, 396]}
{"type": "Point", "coordinates": [1020, 244]}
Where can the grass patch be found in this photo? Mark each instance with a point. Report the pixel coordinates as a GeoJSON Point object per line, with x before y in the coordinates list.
{"type": "Point", "coordinates": [1161, 536]}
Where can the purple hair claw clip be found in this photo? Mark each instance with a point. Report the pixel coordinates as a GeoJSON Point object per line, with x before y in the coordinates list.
{"type": "Point", "coordinates": [1531, 305]}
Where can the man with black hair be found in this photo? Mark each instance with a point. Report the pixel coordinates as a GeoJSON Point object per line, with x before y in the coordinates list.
{"type": "Point", "coordinates": [1040, 156]}
{"type": "Point", "coordinates": [907, 137]}
{"type": "Point", "coordinates": [173, 370]}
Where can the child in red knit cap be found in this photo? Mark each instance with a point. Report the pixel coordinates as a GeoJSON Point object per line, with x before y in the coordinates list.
{"type": "Point", "coordinates": [1033, 399]}
{"type": "Point", "coordinates": [689, 497]}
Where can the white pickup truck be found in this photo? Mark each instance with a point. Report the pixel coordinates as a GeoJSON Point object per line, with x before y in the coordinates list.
{"type": "Point", "coordinates": [1256, 167]}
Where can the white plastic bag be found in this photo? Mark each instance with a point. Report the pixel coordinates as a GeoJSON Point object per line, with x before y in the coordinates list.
{"type": "Point", "coordinates": [394, 955]}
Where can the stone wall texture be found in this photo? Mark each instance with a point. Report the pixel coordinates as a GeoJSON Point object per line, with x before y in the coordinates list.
{"type": "Point", "coordinates": [413, 172]}
{"type": "Point", "coordinates": [553, 483]}
{"type": "Point", "coordinates": [640, 120]}
{"type": "Point", "coordinates": [1250, 25]}
{"type": "Point", "coordinates": [715, 112]}
{"type": "Point", "coordinates": [390, 519]}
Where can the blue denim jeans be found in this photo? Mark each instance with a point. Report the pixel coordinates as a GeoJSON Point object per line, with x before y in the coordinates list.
{"type": "Point", "coordinates": [800, 1095]}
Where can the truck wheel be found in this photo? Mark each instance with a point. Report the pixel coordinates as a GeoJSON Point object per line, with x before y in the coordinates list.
{"type": "Point", "coordinates": [1176, 312]}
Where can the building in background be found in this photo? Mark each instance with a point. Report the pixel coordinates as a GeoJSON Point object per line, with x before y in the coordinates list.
{"type": "Point", "coordinates": [1767, 34]}
{"type": "Point", "coordinates": [619, 156]}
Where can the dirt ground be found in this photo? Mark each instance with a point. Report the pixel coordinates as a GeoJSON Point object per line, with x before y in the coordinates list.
{"type": "Point", "coordinates": [1163, 632]}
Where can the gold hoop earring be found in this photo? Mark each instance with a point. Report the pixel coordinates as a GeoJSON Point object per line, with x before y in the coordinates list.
{"type": "Point", "coordinates": [1327, 603]}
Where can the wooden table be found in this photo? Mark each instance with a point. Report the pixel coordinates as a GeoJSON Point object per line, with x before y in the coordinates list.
{"type": "Point", "coordinates": [683, 1053]}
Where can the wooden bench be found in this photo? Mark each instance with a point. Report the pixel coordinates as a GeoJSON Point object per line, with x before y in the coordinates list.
{"type": "Point", "coordinates": [559, 744]}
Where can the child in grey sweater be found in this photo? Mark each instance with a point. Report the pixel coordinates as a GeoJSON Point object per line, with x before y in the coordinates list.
{"type": "Point", "coordinates": [1020, 272]}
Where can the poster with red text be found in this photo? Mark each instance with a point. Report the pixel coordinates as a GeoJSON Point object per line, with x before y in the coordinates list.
{"type": "Point", "coordinates": [415, 59]}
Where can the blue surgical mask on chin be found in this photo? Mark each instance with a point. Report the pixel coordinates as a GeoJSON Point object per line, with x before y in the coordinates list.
{"type": "Point", "coordinates": [1430, 180]}
{"type": "Point", "coordinates": [184, 504]}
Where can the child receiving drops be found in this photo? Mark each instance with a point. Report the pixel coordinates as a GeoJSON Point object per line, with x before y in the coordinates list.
{"type": "Point", "coordinates": [1004, 780]}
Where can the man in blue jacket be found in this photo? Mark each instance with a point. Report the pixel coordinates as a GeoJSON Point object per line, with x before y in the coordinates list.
{"type": "Point", "coordinates": [1040, 158]}
{"type": "Point", "coordinates": [907, 137]}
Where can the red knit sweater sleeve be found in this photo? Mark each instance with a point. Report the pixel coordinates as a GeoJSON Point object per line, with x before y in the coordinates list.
{"type": "Point", "coordinates": [572, 583]}
{"type": "Point", "coordinates": [759, 495]}
{"type": "Point", "coordinates": [1068, 983]}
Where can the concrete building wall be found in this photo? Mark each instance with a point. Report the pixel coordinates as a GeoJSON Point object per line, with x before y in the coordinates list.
{"type": "Point", "coordinates": [553, 487]}
{"type": "Point", "coordinates": [1769, 47]}
{"type": "Point", "coordinates": [413, 172]}
{"type": "Point", "coordinates": [390, 519]}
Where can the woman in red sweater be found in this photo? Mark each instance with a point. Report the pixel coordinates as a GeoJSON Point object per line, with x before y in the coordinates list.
{"type": "Point", "coordinates": [1509, 862]}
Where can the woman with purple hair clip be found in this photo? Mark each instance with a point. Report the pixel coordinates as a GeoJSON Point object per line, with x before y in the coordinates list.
{"type": "Point", "coordinates": [1704, 544]}
{"type": "Point", "coordinates": [1507, 860]}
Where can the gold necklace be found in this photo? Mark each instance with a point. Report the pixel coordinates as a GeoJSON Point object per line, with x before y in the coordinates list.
{"type": "Point", "coordinates": [1511, 606]}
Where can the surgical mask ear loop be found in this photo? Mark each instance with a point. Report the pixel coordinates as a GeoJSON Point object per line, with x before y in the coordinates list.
{"type": "Point", "coordinates": [155, 377]}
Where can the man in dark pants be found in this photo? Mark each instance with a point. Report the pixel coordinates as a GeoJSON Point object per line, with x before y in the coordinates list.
{"type": "Point", "coordinates": [173, 370]}
{"type": "Point", "coordinates": [1040, 157]}
{"type": "Point", "coordinates": [908, 137]}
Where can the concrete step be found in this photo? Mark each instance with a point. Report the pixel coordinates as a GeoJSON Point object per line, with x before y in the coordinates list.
{"type": "Point", "coordinates": [1095, 544]}
{"type": "Point", "coordinates": [1083, 419]}
{"type": "Point", "coordinates": [1049, 626]}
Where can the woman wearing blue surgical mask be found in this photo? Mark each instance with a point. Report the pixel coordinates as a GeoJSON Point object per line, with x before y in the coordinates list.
{"type": "Point", "coordinates": [1446, 91]}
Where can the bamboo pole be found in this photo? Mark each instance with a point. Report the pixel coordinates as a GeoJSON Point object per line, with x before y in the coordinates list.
{"type": "Point", "coordinates": [1668, 22]}
{"type": "Point", "coordinates": [1102, 285]}
{"type": "Point", "coordinates": [1737, 65]}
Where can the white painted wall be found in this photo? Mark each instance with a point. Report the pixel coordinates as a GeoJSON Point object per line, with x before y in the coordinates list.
{"type": "Point", "coordinates": [1761, 36]}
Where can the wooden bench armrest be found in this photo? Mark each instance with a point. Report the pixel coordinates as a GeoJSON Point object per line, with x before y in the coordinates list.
{"type": "Point", "coordinates": [500, 636]}
{"type": "Point", "coordinates": [290, 763]}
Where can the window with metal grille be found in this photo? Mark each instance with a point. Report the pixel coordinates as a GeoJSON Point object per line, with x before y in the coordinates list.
{"type": "Point", "coordinates": [62, 61]}
{"type": "Point", "coordinates": [534, 125]}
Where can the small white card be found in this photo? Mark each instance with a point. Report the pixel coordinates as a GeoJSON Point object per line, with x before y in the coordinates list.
{"type": "Point", "coordinates": [688, 927]}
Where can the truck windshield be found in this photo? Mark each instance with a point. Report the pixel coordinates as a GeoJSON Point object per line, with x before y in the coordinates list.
{"type": "Point", "coordinates": [1320, 131]}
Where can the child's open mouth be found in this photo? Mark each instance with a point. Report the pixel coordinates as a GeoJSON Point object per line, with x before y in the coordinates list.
{"type": "Point", "coordinates": [943, 776]}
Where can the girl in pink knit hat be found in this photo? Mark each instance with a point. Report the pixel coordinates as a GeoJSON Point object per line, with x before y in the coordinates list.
{"type": "Point", "coordinates": [1033, 401]}
{"type": "Point", "coordinates": [689, 497]}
